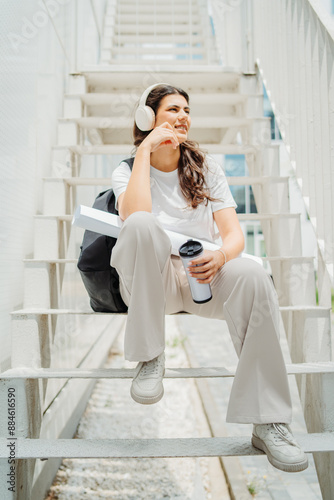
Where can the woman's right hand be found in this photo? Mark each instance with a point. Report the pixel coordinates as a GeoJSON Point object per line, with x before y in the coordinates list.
{"type": "Point", "coordinates": [160, 136]}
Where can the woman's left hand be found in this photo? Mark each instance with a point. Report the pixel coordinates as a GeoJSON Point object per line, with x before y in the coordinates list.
{"type": "Point", "coordinates": [205, 267]}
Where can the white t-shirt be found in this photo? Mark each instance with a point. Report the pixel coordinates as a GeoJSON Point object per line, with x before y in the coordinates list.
{"type": "Point", "coordinates": [170, 206]}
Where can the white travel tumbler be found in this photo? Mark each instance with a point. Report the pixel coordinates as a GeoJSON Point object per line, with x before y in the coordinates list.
{"type": "Point", "coordinates": [201, 292]}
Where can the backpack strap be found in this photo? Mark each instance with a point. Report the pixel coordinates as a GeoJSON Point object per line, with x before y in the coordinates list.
{"type": "Point", "coordinates": [130, 161]}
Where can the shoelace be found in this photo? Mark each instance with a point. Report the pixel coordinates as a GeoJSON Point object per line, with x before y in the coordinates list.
{"type": "Point", "coordinates": [151, 367]}
{"type": "Point", "coordinates": [283, 433]}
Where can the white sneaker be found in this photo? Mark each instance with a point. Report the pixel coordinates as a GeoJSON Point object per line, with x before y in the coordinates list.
{"type": "Point", "coordinates": [147, 385]}
{"type": "Point", "coordinates": [282, 450]}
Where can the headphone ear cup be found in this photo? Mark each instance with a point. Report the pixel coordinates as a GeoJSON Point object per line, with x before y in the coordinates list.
{"type": "Point", "coordinates": [145, 118]}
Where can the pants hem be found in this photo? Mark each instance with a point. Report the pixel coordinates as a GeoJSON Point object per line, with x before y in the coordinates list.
{"type": "Point", "coordinates": [145, 357]}
{"type": "Point", "coordinates": [263, 419]}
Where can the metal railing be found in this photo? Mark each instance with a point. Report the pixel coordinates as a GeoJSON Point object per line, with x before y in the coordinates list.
{"type": "Point", "coordinates": [294, 47]}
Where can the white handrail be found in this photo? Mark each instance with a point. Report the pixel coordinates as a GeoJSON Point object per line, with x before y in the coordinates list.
{"type": "Point", "coordinates": [98, 29]}
{"type": "Point", "coordinates": [79, 13]}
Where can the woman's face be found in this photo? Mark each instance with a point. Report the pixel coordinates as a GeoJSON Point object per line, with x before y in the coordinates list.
{"type": "Point", "coordinates": [175, 110]}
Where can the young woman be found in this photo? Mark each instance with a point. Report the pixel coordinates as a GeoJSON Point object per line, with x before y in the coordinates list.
{"type": "Point", "coordinates": [174, 185]}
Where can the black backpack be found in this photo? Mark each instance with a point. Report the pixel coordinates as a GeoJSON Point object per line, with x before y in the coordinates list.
{"type": "Point", "coordinates": [100, 279]}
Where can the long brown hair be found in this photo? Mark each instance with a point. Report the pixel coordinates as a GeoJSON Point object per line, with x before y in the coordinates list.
{"type": "Point", "coordinates": [192, 163]}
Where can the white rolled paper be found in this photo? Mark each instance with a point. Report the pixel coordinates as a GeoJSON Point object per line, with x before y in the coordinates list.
{"type": "Point", "coordinates": [97, 221]}
{"type": "Point", "coordinates": [102, 222]}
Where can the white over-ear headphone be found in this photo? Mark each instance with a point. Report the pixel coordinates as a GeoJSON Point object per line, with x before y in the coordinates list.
{"type": "Point", "coordinates": [145, 117]}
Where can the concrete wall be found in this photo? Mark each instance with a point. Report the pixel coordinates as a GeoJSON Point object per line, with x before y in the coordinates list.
{"type": "Point", "coordinates": [37, 52]}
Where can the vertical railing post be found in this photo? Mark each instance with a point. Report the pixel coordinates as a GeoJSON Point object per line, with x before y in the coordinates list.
{"type": "Point", "coordinates": [96, 21]}
{"type": "Point", "coordinates": [74, 54]}
{"type": "Point", "coordinates": [246, 14]}
{"type": "Point", "coordinates": [138, 31]}
{"type": "Point", "coordinates": [190, 26]}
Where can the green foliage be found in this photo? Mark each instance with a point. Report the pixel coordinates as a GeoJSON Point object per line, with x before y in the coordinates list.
{"type": "Point", "coordinates": [317, 298]}
{"type": "Point", "coordinates": [255, 484]}
{"type": "Point", "coordinates": [176, 341]}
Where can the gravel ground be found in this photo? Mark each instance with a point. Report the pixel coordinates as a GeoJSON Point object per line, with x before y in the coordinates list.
{"type": "Point", "coordinates": [111, 413]}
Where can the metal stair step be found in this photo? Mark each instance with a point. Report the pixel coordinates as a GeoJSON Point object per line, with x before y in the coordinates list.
{"type": "Point", "coordinates": [119, 75]}
{"type": "Point", "coordinates": [40, 311]}
{"type": "Point", "coordinates": [108, 149]}
{"type": "Point", "coordinates": [147, 13]}
{"type": "Point", "coordinates": [139, 448]}
{"type": "Point", "coordinates": [241, 216]}
{"type": "Point", "coordinates": [52, 261]}
{"type": "Point", "coordinates": [159, 8]}
{"type": "Point", "coordinates": [119, 38]}
{"type": "Point", "coordinates": [61, 218]}
{"type": "Point", "coordinates": [260, 217]}
{"type": "Point", "coordinates": [102, 98]}
{"type": "Point", "coordinates": [105, 181]}
{"type": "Point", "coordinates": [194, 51]}
{"type": "Point", "coordinates": [129, 373]}
{"type": "Point", "coordinates": [150, 3]}
{"type": "Point", "coordinates": [156, 60]}
{"type": "Point", "coordinates": [212, 69]}
{"type": "Point", "coordinates": [144, 8]}
{"type": "Point", "coordinates": [249, 181]}
{"type": "Point", "coordinates": [163, 44]}
{"type": "Point", "coordinates": [289, 258]}
{"type": "Point", "coordinates": [197, 122]}
{"type": "Point", "coordinates": [149, 28]}
{"type": "Point", "coordinates": [103, 78]}
{"type": "Point", "coordinates": [152, 19]}
{"type": "Point", "coordinates": [304, 308]}
{"type": "Point", "coordinates": [46, 312]}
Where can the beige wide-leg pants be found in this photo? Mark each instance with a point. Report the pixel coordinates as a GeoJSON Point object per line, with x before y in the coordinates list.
{"type": "Point", "coordinates": [153, 283]}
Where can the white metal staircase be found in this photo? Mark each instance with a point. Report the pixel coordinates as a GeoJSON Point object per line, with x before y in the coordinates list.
{"type": "Point", "coordinates": [227, 118]}
{"type": "Point", "coordinates": [175, 33]}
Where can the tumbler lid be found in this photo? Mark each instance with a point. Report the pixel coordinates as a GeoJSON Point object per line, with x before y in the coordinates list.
{"type": "Point", "coordinates": [190, 248]}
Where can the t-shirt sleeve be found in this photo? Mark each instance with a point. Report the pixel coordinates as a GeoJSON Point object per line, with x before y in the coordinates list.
{"type": "Point", "coordinates": [218, 186]}
{"type": "Point", "coordinates": [119, 179]}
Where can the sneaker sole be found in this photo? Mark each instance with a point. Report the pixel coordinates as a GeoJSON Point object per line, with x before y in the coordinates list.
{"type": "Point", "coordinates": [296, 467]}
{"type": "Point", "coordinates": [146, 400]}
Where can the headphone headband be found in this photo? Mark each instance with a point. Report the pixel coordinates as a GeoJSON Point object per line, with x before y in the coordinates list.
{"type": "Point", "coordinates": [145, 116]}
{"type": "Point", "coordinates": [147, 92]}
